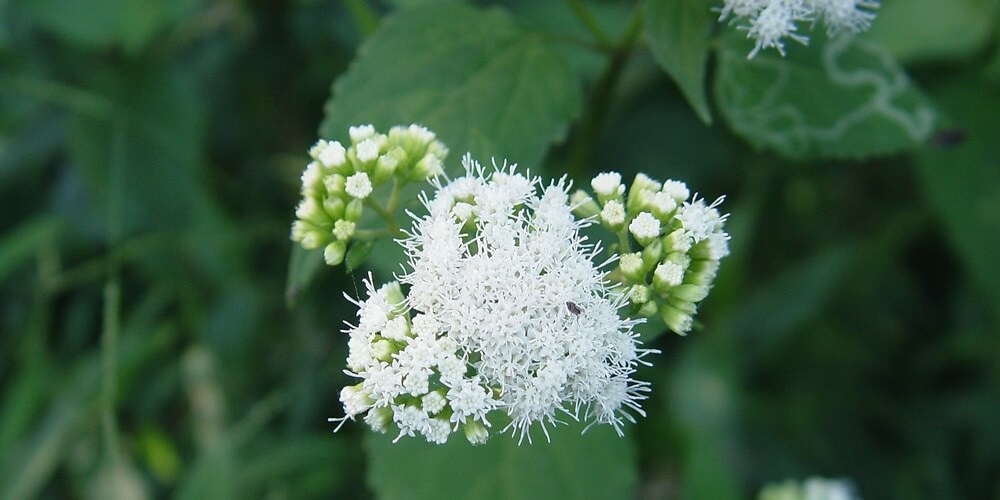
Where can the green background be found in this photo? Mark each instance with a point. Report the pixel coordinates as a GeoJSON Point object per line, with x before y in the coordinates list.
{"type": "Point", "coordinates": [159, 338]}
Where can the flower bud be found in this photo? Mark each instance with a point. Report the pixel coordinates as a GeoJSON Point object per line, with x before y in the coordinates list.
{"type": "Point", "coordinates": [334, 184]}
{"type": "Point", "coordinates": [607, 186]}
{"type": "Point", "coordinates": [689, 293]}
{"type": "Point", "coordinates": [648, 309]}
{"type": "Point", "coordinates": [334, 208]}
{"type": "Point", "coordinates": [645, 228]}
{"type": "Point", "coordinates": [475, 432]}
{"type": "Point", "coordinates": [613, 215]}
{"type": "Point", "coordinates": [353, 210]}
{"type": "Point", "coordinates": [379, 419]}
{"type": "Point", "coordinates": [632, 267]}
{"type": "Point", "coordinates": [678, 321]}
{"type": "Point", "coordinates": [651, 254]}
{"type": "Point", "coordinates": [343, 230]}
{"type": "Point", "coordinates": [333, 253]}
{"type": "Point", "coordinates": [639, 294]}
{"type": "Point", "coordinates": [382, 350]}
{"type": "Point", "coordinates": [583, 205]}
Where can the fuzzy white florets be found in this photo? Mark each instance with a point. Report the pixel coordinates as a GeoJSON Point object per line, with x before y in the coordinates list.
{"type": "Point", "coordinates": [769, 22]}
{"type": "Point", "coordinates": [506, 310]}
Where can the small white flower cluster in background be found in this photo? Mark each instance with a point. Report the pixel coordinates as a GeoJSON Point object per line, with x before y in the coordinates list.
{"type": "Point", "coordinates": [680, 238]}
{"type": "Point", "coordinates": [814, 488]}
{"type": "Point", "coordinates": [770, 21]}
{"type": "Point", "coordinates": [338, 180]}
{"type": "Point", "coordinates": [506, 312]}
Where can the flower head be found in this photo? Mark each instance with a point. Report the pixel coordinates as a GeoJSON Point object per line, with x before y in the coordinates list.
{"type": "Point", "coordinates": [507, 311]}
{"type": "Point", "coordinates": [769, 22]}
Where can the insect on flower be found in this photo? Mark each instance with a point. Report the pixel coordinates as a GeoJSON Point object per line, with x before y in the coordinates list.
{"type": "Point", "coordinates": [573, 308]}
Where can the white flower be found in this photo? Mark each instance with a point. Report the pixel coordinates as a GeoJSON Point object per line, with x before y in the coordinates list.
{"type": "Point", "coordinates": [769, 22]}
{"type": "Point", "coordinates": [677, 190]}
{"type": "Point", "coordinates": [509, 313]}
{"type": "Point", "coordinates": [644, 227]}
{"type": "Point", "coordinates": [613, 214]}
{"type": "Point", "coordinates": [700, 220]}
{"type": "Point", "coordinates": [343, 229]}
{"type": "Point", "coordinates": [360, 132]}
{"type": "Point", "coordinates": [358, 185]}
{"type": "Point", "coordinates": [608, 185]}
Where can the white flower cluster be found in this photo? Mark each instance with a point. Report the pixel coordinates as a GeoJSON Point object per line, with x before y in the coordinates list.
{"type": "Point", "coordinates": [337, 181]}
{"type": "Point", "coordinates": [506, 310]}
{"type": "Point", "coordinates": [770, 21]}
{"type": "Point", "coordinates": [814, 488]}
{"type": "Point", "coordinates": [681, 238]}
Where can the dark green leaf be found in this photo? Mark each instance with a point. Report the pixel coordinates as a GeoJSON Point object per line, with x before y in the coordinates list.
{"type": "Point", "coordinates": [840, 98]}
{"type": "Point", "coordinates": [596, 465]}
{"type": "Point", "coordinates": [472, 76]}
{"type": "Point", "coordinates": [679, 32]}
{"type": "Point", "coordinates": [357, 254]}
{"type": "Point", "coordinates": [130, 24]}
{"type": "Point", "coordinates": [962, 180]}
{"type": "Point", "coordinates": [22, 244]}
{"type": "Point", "coordinates": [952, 29]}
{"type": "Point", "coordinates": [155, 136]}
{"type": "Point", "coordinates": [302, 268]}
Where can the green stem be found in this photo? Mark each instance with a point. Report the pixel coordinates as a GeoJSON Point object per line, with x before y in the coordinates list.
{"type": "Point", "coordinates": [600, 99]}
{"type": "Point", "coordinates": [112, 294]}
{"type": "Point", "coordinates": [583, 15]}
{"type": "Point", "coordinates": [384, 214]}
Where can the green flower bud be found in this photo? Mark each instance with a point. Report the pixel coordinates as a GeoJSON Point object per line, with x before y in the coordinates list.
{"type": "Point", "coordinates": [334, 208]}
{"type": "Point", "coordinates": [632, 268]}
{"type": "Point", "coordinates": [383, 350]}
{"type": "Point", "coordinates": [648, 309]}
{"type": "Point", "coordinates": [651, 254]}
{"type": "Point", "coordinates": [333, 253]}
{"type": "Point", "coordinates": [583, 205]}
{"type": "Point", "coordinates": [475, 432]}
{"type": "Point", "coordinates": [334, 184]}
{"type": "Point", "coordinates": [354, 209]}
{"type": "Point", "coordinates": [678, 321]}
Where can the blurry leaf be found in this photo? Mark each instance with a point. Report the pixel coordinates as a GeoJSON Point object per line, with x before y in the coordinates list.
{"type": "Point", "coordinates": [290, 465]}
{"type": "Point", "coordinates": [596, 465]}
{"type": "Point", "coordinates": [22, 399]}
{"type": "Point", "coordinates": [212, 475]}
{"type": "Point", "coordinates": [159, 454]}
{"type": "Point", "coordinates": [839, 99]}
{"type": "Point", "coordinates": [962, 181]}
{"type": "Point", "coordinates": [796, 295]}
{"type": "Point", "coordinates": [679, 32]}
{"type": "Point", "coordinates": [357, 254]}
{"type": "Point", "coordinates": [470, 75]}
{"type": "Point", "coordinates": [703, 396]}
{"type": "Point", "coordinates": [22, 244]}
{"type": "Point", "coordinates": [96, 24]}
{"type": "Point", "coordinates": [302, 268]}
{"type": "Point", "coordinates": [953, 29]}
{"type": "Point", "coordinates": [161, 119]}
{"type": "Point", "coordinates": [26, 468]}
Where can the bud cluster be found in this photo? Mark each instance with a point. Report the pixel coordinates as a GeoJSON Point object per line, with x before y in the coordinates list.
{"type": "Point", "coordinates": [338, 182]}
{"type": "Point", "coordinates": [680, 242]}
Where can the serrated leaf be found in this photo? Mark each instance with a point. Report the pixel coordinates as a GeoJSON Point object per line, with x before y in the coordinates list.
{"type": "Point", "coordinates": [679, 33]}
{"type": "Point", "coordinates": [839, 98]}
{"type": "Point", "coordinates": [357, 254]}
{"type": "Point", "coordinates": [470, 75]}
{"type": "Point", "coordinates": [962, 182]}
{"type": "Point", "coordinates": [596, 465]}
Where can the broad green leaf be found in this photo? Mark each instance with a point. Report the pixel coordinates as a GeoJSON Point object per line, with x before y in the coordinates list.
{"type": "Point", "coordinates": [131, 24]}
{"type": "Point", "coordinates": [679, 32]}
{"type": "Point", "coordinates": [470, 75]}
{"type": "Point", "coordinates": [155, 140]}
{"type": "Point", "coordinates": [839, 98]}
{"type": "Point", "coordinates": [953, 29]}
{"type": "Point", "coordinates": [962, 181]}
{"type": "Point", "coordinates": [596, 465]}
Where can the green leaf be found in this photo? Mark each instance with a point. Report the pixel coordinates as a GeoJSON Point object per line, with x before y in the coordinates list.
{"type": "Point", "coordinates": [357, 254]}
{"type": "Point", "coordinates": [302, 268]}
{"type": "Point", "coordinates": [95, 24]}
{"type": "Point", "coordinates": [596, 465]}
{"type": "Point", "coordinates": [22, 244]}
{"type": "Point", "coordinates": [953, 29]}
{"type": "Point", "coordinates": [470, 75]}
{"type": "Point", "coordinates": [962, 181]}
{"type": "Point", "coordinates": [156, 136]}
{"type": "Point", "coordinates": [679, 32]}
{"type": "Point", "coordinates": [840, 99]}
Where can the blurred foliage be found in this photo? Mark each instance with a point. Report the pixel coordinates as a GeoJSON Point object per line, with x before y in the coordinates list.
{"type": "Point", "coordinates": [157, 340]}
